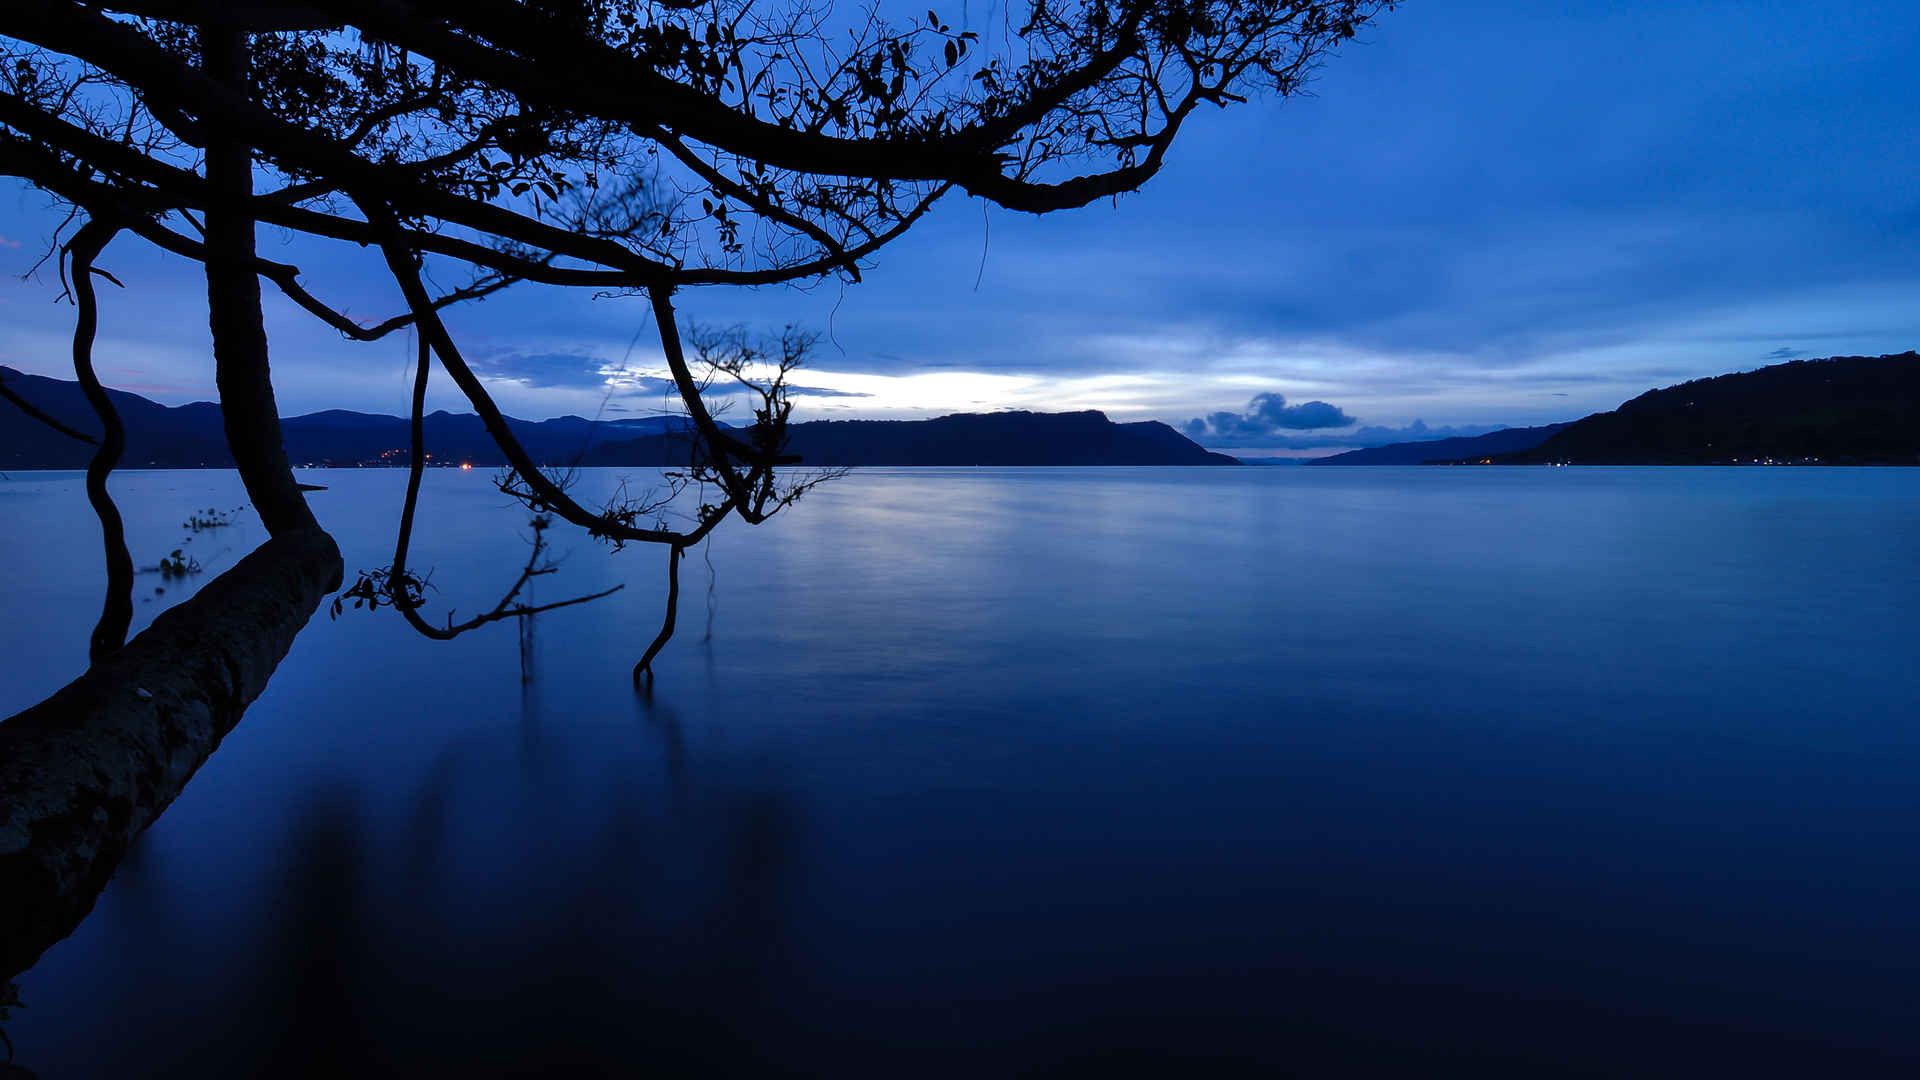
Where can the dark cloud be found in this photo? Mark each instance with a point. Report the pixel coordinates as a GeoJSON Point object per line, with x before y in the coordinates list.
{"type": "Point", "coordinates": [1784, 353]}
{"type": "Point", "coordinates": [1418, 431]}
{"type": "Point", "coordinates": [1266, 416]}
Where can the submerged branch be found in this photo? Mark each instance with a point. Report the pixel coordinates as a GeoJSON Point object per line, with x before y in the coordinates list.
{"type": "Point", "coordinates": [645, 666]}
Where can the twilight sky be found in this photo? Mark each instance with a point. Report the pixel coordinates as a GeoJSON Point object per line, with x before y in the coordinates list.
{"type": "Point", "coordinates": [1486, 214]}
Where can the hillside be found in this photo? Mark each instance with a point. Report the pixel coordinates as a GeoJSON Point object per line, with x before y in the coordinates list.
{"type": "Point", "coordinates": [1005, 438]}
{"type": "Point", "coordinates": [1504, 441]}
{"type": "Point", "coordinates": [1845, 410]}
{"type": "Point", "coordinates": [190, 436]}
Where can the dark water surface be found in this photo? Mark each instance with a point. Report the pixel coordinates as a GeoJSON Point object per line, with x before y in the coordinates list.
{"type": "Point", "coordinates": [1028, 772]}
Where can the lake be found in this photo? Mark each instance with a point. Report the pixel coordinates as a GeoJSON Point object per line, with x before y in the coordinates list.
{"type": "Point", "coordinates": [1540, 772]}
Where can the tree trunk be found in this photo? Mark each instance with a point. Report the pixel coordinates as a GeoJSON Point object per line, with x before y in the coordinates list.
{"type": "Point", "coordinates": [233, 309]}
{"type": "Point", "coordinates": [83, 772]}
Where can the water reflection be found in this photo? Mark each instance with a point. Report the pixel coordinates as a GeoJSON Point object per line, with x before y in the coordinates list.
{"type": "Point", "coordinates": [598, 938]}
{"type": "Point", "coordinates": [661, 717]}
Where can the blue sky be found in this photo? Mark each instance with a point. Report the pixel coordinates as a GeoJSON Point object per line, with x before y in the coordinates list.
{"type": "Point", "coordinates": [1485, 214]}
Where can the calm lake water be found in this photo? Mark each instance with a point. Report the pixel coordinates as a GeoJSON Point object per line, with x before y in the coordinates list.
{"type": "Point", "coordinates": [1532, 772]}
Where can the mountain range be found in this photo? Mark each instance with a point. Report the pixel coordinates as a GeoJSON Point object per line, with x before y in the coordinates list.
{"type": "Point", "coordinates": [192, 436]}
{"type": "Point", "coordinates": [1001, 438]}
{"type": "Point", "coordinates": [1840, 410]}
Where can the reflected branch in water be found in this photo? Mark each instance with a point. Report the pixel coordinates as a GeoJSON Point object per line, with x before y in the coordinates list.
{"type": "Point", "coordinates": [431, 825]}
{"type": "Point", "coordinates": [315, 982]}
{"type": "Point", "coordinates": [526, 647]}
{"type": "Point", "coordinates": [673, 743]}
{"type": "Point", "coordinates": [600, 970]}
{"type": "Point", "coordinates": [706, 554]}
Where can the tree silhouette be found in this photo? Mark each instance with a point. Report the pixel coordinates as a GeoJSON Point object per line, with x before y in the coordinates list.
{"type": "Point", "coordinates": [633, 148]}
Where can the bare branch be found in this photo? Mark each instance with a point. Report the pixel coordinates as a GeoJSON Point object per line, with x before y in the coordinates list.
{"type": "Point", "coordinates": [116, 612]}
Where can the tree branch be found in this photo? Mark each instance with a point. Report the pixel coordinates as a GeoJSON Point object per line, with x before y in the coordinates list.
{"type": "Point", "coordinates": [403, 589]}
{"type": "Point", "coordinates": [400, 263]}
{"type": "Point", "coordinates": [116, 611]}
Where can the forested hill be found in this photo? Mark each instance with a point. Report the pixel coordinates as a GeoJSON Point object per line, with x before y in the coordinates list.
{"type": "Point", "coordinates": [191, 436]}
{"type": "Point", "coordinates": [1504, 441]}
{"type": "Point", "coordinates": [1844, 410]}
{"type": "Point", "coordinates": [1003, 438]}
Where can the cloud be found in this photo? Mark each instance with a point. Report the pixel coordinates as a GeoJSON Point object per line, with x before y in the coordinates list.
{"type": "Point", "coordinates": [6, 243]}
{"type": "Point", "coordinates": [547, 370]}
{"type": "Point", "coordinates": [1267, 415]}
{"type": "Point", "coordinates": [581, 371]}
{"type": "Point", "coordinates": [1418, 431]}
{"type": "Point", "coordinates": [1784, 353]}
{"type": "Point", "coordinates": [821, 391]}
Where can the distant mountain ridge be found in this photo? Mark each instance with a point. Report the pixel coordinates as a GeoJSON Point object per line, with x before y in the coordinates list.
{"type": "Point", "coordinates": [1002, 438]}
{"type": "Point", "coordinates": [1506, 440]}
{"type": "Point", "coordinates": [1844, 410]}
{"type": "Point", "coordinates": [191, 436]}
